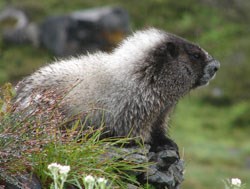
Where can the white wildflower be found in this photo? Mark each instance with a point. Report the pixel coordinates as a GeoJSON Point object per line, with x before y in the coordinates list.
{"type": "Point", "coordinates": [102, 180]}
{"type": "Point", "coordinates": [236, 182]}
{"type": "Point", "coordinates": [64, 169]}
{"type": "Point", "coordinates": [59, 173]}
{"type": "Point", "coordinates": [89, 178]}
{"type": "Point", "coordinates": [53, 166]}
{"type": "Point", "coordinates": [89, 182]}
{"type": "Point", "coordinates": [102, 183]}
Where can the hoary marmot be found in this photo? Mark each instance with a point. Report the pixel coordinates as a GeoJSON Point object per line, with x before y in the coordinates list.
{"type": "Point", "coordinates": [131, 90]}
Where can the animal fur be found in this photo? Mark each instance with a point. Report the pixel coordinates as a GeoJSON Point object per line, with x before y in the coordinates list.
{"type": "Point", "coordinates": [132, 89]}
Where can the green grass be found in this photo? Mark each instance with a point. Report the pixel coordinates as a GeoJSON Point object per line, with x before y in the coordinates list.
{"type": "Point", "coordinates": [85, 156]}
{"type": "Point", "coordinates": [31, 144]}
{"type": "Point", "coordinates": [212, 146]}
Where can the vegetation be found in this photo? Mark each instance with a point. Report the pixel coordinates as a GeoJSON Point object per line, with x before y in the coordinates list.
{"type": "Point", "coordinates": [29, 144]}
{"type": "Point", "coordinates": [212, 124]}
{"type": "Point", "coordinates": [213, 146]}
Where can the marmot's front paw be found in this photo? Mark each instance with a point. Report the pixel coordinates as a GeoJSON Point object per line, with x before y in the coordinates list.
{"type": "Point", "coordinates": [169, 144]}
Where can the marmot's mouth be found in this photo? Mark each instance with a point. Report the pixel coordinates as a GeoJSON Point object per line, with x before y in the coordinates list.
{"type": "Point", "coordinates": [205, 79]}
{"type": "Point", "coordinates": [209, 73]}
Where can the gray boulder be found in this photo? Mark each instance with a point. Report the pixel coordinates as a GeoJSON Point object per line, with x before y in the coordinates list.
{"type": "Point", "coordinates": [71, 34]}
{"type": "Point", "coordinates": [22, 30]}
{"type": "Point", "coordinates": [87, 30]}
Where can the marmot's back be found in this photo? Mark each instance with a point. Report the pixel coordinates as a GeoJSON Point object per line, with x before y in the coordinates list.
{"type": "Point", "coordinates": [131, 89]}
{"type": "Point", "coordinates": [76, 79]}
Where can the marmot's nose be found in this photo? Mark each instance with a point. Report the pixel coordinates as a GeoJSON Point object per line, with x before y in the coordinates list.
{"type": "Point", "coordinates": [216, 69]}
{"type": "Point", "coordinates": [213, 67]}
{"type": "Point", "coordinates": [216, 65]}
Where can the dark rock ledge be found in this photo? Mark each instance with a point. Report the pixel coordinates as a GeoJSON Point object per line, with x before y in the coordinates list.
{"type": "Point", "coordinates": [165, 172]}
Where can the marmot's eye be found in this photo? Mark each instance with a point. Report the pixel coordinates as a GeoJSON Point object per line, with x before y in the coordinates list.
{"type": "Point", "coordinates": [196, 55]}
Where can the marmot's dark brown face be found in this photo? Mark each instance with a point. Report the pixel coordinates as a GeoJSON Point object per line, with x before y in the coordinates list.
{"type": "Point", "coordinates": [203, 65]}
{"type": "Point", "coordinates": [186, 59]}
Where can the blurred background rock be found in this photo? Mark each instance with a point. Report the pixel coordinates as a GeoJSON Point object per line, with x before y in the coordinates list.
{"type": "Point", "coordinates": [70, 34]}
{"type": "Point", "coordinates": [211, 125]}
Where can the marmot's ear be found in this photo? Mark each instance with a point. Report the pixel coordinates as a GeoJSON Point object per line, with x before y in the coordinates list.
{"type": "Point", "coordinates": [173, 49]}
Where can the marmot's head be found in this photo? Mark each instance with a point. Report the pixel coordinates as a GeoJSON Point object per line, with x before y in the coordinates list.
{"type": "Point", "coordinates": [201, 66]}
{"type": "Point", "coordinates": [168, 60]}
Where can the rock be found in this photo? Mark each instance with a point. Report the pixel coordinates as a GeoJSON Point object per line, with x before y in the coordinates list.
{"type": "Point", "coordinates": [106, 18]}
{"type": "Point", "coordinates": [78, 32]}
{"type": "Point", "coordinates": [29, 34]}
{"type": "Point", "coordinates": [131, 186]}
{"type": "Point", "coordinates": [168, 170]}
{"type": "Point", "coordinates": [54, 35]}
{"type": "Point", "coordinates": [22, 31]}
{"type": "Point", "coordinates": [25, 181]}
{"type": "Point", "coordinates": [17, 15]}
{"type": "Point", "coordinates": [165, 172]}
{"type": "Point", "coordinates": [87, 30]}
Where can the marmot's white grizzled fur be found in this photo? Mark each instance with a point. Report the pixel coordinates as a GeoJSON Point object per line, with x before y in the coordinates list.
{"type": "Point", "coordinates": [131, 90]}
